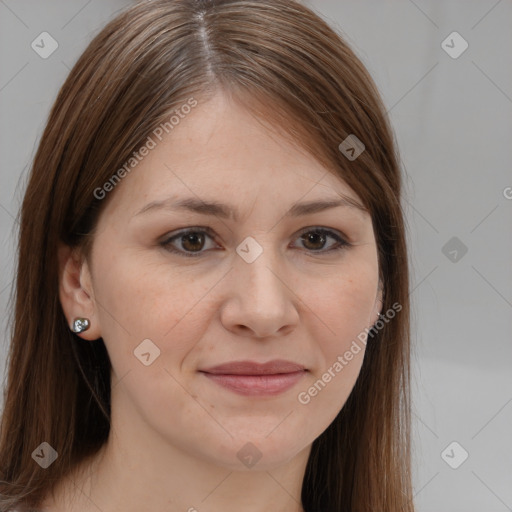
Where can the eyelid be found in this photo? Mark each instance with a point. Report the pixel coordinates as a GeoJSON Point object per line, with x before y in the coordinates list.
{"type": "Point", "coordinates": [341, 239]}
{"type": "Point", "coordinates": [166, 242]}
{"type": "Point", "coordinates": [330, 231]}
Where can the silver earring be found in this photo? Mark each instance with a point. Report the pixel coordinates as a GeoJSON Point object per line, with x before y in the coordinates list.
{"type": "Point", "coordinates": [80, 325]}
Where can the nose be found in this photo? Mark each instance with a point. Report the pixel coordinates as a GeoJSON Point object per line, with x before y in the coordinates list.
{"type": "Point", "coordinates": [261, 301]}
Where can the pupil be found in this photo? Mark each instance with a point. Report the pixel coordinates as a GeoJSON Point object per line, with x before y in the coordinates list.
{"type": "Point", "coordinates": [313, 236]}
{"type": "Point", "coordinates": [192, 238]}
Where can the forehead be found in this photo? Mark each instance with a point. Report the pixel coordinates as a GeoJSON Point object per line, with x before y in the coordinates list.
{"type": "Point", "coordinates": [221, 151]}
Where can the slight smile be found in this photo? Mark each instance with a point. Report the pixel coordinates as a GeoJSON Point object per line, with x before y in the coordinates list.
{"type": "Point", "coordinates": [256, 379]}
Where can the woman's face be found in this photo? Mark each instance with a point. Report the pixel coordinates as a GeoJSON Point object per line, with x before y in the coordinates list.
{"type": "Point", "coordinates": [246, 287]}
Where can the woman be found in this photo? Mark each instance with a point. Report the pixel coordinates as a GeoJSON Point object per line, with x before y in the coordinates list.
{"type": "Point", "coordinates": [212, 289]}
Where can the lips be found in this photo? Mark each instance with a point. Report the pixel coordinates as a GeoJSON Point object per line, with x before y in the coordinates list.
{"type": "Point", "coordinates": [253, 368]}
{"type": "Point", "coordinates": [256, 379]}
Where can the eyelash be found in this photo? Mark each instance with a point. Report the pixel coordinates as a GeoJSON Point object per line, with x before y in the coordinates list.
{"type": "Point", "coordinates": [166, 244]}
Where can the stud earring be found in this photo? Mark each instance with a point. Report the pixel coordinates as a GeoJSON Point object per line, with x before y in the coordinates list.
{"type": "Point", "coordinates": [80, 325]}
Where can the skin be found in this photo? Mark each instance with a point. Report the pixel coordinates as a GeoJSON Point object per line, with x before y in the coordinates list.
{"type": "Point", "coordinates": [175, 433]}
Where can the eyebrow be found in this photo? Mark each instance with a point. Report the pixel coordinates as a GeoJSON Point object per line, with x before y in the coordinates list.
{"type": "Point", "coordinates": [225, 211]}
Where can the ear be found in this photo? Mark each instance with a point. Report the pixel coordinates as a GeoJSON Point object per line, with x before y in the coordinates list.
{"type": "Point", "coordinates": [76, 291]}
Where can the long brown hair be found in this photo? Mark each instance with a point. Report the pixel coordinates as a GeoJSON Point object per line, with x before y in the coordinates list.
{"type": "Point", "coordinates": [285, 64]}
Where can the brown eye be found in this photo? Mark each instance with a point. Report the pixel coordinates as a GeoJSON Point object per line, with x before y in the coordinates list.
{"type": "Point", "coordinates": [190, 242]}
{"type": "Point", "coordinates": [314, 240]}
{"type": "Point", "coordinates": [193, 242]}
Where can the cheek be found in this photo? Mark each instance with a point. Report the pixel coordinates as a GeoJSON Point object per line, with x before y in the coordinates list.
{"type": "Point", "coordinates": [138, 300]}
{"type": "Point", "coordinates": [342, 311]}
{"type": "Point", "coordinates": [343, 306]}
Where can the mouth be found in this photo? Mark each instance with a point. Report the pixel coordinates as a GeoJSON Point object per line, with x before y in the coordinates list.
{"type": "Point", "coordinates": [250, 378]}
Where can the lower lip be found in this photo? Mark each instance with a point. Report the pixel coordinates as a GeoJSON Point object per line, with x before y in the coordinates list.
{"type": "Point", "coordinates": [257, 385]}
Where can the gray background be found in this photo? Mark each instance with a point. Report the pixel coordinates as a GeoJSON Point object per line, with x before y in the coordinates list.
{"type": "Point", "coordinates": [453, 122]}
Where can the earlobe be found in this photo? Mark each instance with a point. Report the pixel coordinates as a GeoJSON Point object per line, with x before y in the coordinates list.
{"type": "Point", "coordinates": [76, 294]}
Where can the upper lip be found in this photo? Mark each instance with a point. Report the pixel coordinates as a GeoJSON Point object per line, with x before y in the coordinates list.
{"type": "Point", "coordinates": [254, 368]}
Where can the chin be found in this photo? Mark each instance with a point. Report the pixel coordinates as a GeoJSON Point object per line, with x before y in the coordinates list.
{"type": "Point", "coordinates": [256, 452]}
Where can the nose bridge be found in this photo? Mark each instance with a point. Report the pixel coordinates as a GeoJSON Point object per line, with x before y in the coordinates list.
{"type": "Point", "coordinates": [258, 267]}
{"type": "Point", "coordinates": [262, 300]}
